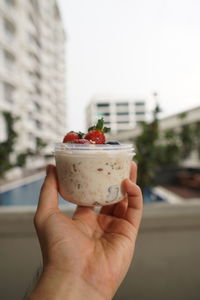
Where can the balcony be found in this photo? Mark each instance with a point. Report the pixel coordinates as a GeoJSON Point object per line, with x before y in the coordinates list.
{"type": "Point", "coordinates": [166, 262]}
{"type": "Point", "coordinates": [9, 9]}
{"type": "Point", "coordinates": [9, 75]}
{"type": "Point", "coordinates": [9, 29]}
{"type": "Point", "coordinates": [8, 36]}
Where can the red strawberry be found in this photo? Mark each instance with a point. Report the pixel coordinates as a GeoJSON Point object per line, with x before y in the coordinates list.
{"type": "Point", "coordinates": [96, 136]}
{"type": "Point", "coordinates": [81, 141]}
{"type": "Point", "coordinates": [96, 133]}
{"type": "Point", "coordinates": [70, 137]}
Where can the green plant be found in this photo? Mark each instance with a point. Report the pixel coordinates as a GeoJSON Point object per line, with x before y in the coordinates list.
{"type": "Point", "coordinates": [40, 144]}
{"type": "Point", "coordinates": [7, 147]}
{"type": "Point", "coordinates": [146, 151]}
{"type": "Point", "coordinates": [21, 159]}
{"type": "Point", "coordinates": [197, 136]}
{"type": "Point", "coordinates": [157, 150]}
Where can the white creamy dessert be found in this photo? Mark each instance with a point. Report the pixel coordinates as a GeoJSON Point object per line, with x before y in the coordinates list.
{"type": "Point", "coordinates": [92, 175]}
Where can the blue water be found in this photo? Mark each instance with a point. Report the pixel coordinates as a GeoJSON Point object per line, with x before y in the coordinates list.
{"type": "Point", "coordinates": [28, 195]}
{"type": "Point", "coordinates": [149, 196]}
{"type": "Point", "coordinates": [24, 195]}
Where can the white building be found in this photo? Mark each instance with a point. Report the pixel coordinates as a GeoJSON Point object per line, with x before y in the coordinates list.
{"type": "Point", "coordinates": [32, 70]}
{"type": "Point", "coordinates": [118, 114]}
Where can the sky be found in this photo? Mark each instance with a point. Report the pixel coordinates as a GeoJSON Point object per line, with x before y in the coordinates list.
{"type": "Point", "coordinates": [131, 49]}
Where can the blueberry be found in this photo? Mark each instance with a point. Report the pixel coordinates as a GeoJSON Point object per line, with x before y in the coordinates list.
{"type": "Point", "coordinates": [113, 143]}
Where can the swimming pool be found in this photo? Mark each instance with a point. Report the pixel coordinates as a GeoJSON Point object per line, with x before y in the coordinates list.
{"type": "Point", "coordinates": [26, 194]}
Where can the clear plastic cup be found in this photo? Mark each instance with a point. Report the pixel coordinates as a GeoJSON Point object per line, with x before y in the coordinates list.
{"type": "Point", "coordinates": [92, 175]}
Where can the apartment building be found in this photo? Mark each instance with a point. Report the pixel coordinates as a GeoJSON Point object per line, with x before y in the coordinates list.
{"type": "Point", "coordinates": [118, 114]}
{"type": "Point", "coordinates": [32, 70]}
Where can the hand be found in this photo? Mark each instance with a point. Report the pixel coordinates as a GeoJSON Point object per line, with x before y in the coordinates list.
{"type": "Point", "coordinates": [86, 256]}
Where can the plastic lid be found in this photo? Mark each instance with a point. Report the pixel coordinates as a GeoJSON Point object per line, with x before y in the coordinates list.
{"type": "Point", "coordinates": [92, 147]}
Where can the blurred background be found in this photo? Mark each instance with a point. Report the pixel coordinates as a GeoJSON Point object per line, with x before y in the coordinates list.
{"type": "Point", "coordinates": [64, 65]}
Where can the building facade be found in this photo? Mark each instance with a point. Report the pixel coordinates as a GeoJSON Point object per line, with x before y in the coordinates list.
{"type": "Point", "coordinates": [32, 70]}
{"type": "Point", "coordinates": [118, 114]}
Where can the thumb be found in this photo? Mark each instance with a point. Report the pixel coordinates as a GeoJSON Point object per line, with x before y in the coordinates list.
{"type": "Point", "coordinates": [48, 199]}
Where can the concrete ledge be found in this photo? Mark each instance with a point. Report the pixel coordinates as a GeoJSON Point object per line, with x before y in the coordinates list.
{"type": "Point", "coordinates": [166, 263]}
{"type": "Point", "coordinates": [157, 216]}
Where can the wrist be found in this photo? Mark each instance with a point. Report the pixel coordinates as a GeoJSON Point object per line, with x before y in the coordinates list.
{"type": "Point", "coordinates": [55, 284]}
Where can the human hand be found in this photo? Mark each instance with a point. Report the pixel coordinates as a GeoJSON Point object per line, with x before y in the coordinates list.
{"type": "Point", "coordinates": [86, 256]}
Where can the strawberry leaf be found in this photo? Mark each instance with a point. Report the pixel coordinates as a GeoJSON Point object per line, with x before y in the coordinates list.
{"type": "Point", "coordinates": [106, 129]}
{"type": "Point", "coordinates": [81, 134]}
{"type": "Point", "coordinates": [91, 128]}
{"type": "Point", "coordinates": [99, 126]}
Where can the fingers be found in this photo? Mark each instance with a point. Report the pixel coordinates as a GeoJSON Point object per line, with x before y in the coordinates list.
{"type": "Point", "coordinates": [48, 199]}
{"type": "Point", "coordinates": [133, 172]}
{"type": "Point", "coordinates": [135, 203]}
{"type": "Point", "coordinates": [118, 209]}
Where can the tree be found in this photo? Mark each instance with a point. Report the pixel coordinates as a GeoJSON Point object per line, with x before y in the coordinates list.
{"type": "Point", "coordinates": [146, 150]}
{"type": "Point", "coordinates": [158, 150]}
{"type": "Point", "coordinates": [7, 147]}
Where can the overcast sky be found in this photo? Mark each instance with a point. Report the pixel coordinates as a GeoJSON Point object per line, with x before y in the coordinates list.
{"type": "Point", "coordinates": [131, 48]}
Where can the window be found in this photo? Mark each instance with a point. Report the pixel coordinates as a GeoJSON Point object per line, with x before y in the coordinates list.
{"type": "Point", "coordinates": [38, 124]}
{"type": "Point", "coordinates": [35, 74]}
{"type": "Point", "coordinates": [122, 113]}
{"type": "Point", "coordinates": [37, 106]}
{"type": "Point", "coordinates": [34, 57]}
{"type": "Point", "coordinates": [102, 114]}
{"type": "Point", "coordinates": [9, 28]}
{"type": "Point", "coordinates": [123, 122]}
{"type": "Point", "coordinates": [56, 12]}
{"type": "Point", "coordinates": [9, 59]}
{"type": "Point", "coordinates": [139, 113]}
{"type": "Point", "coordinates": [10, 2]}
{"type": "Point", "coordinates": [34, 39]}
{"type": "Point", "coordinates": [30, 136]}
{"type": "Point", "coordinates": [139, 103]}
{"type": "Point", "coordinates": [33, 21]}
{"type": "Point", "coordinates": [103, 104]}
{"type": "Point", "coordinates": [37, 90]}
{"type": "Point", "coordinates": [122, 103]}
{"type": "Point", "coordinates": [8, 92]}
{"type": "Point", "coordinates": [35, 5]}
{"type": "Point", "coordinates": [30, 116]}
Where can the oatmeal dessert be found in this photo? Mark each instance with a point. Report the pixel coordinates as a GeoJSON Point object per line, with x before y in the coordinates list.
{"type": "Point", "coordinates": [90, 171]}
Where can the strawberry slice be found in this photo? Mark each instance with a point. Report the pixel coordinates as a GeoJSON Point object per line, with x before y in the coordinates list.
{"type": "Point", "coordinates": [96, 133]}
{"type": "Point", "coordinates": [71, 136]}
{"type": "Point", "coordinates": [81, 141]}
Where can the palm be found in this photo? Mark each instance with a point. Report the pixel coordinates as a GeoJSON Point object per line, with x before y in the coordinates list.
{"type": "Point", "coordinates": [92, 243]}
